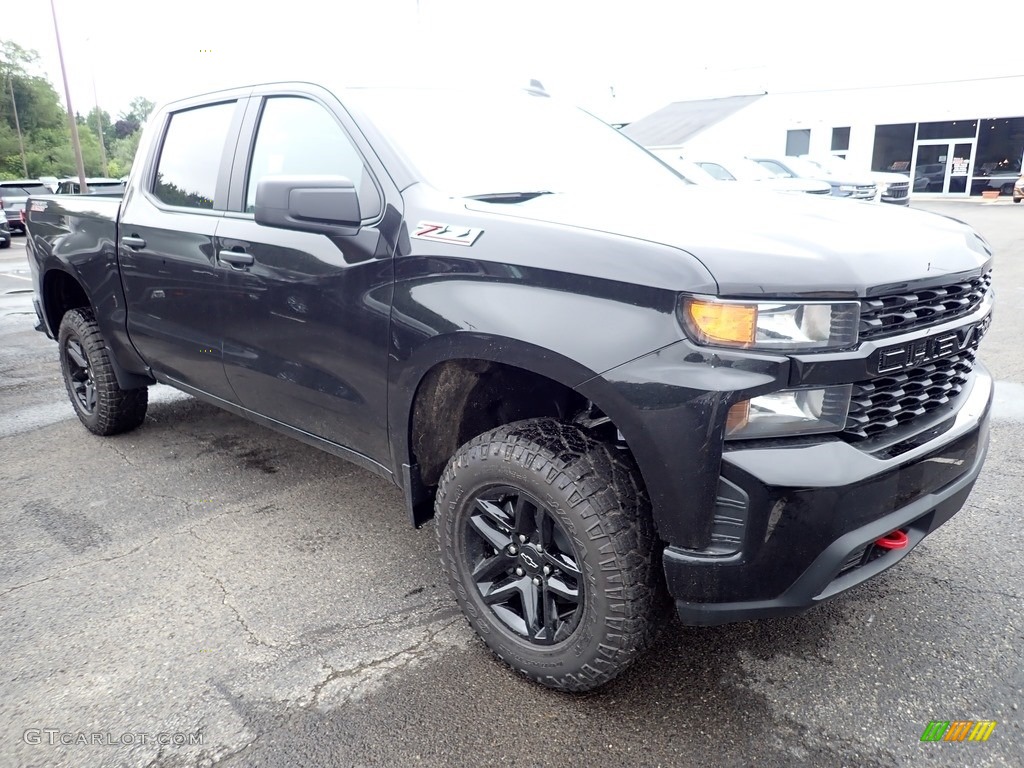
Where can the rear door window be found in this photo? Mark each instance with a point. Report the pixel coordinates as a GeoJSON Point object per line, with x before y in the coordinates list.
{"type": "Point", "coordinates": [186, 173]}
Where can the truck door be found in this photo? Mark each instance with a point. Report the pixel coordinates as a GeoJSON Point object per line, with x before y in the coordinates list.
{"type": "Point", "coordinates": [172, 285]}
{"type": "Point", "coordinates": [306, 320]}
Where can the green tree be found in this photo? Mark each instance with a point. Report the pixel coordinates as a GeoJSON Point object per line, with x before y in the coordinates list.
{"type": "Point", "coordinates": [139, 109]}
{"type": "Point", "coordinates": [100, 117]}
{"type": "Point", "coordinates": [44, 125]}
{"type": "Point", "coordinates": [122, 154]}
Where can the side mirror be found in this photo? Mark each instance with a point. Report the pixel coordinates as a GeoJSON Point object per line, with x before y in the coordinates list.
{"type": "Point", "coordinates": [324, 204]}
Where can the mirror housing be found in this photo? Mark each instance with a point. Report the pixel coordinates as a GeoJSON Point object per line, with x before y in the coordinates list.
{"type": "Point", "coordinates": [324, 204]}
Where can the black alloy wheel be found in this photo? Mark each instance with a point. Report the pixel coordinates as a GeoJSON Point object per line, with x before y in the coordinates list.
{"type": "Point", "coordinates": [79, 373]}
{"type": "Point", "coordinates": [100, 403]}
{"type": "Point", "coordinates": [524, 566]}
{"type": "Point", "coordinates": [548, 540]}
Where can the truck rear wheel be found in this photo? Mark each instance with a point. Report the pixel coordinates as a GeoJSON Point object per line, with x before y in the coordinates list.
{"type": "Point", "coordinates": [100, 403]}
{"type": "Point", "coordinates": [549, 545]}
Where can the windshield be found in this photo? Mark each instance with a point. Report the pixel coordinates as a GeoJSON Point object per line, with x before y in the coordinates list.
{"type": "Point", "coordinates": [808, 168]}
{"type": "Point", "coordinates": [692, 172]}
{"type": "Point", "coordinates": [512, 142]}
{"type": "Point", "coordinates": [739, 168]}
{"type": "Point", "coordinates": [23, 191]}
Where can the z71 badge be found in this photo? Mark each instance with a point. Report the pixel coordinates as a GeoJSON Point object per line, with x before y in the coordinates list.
{"type": "Point", "coordinates": [446, 233]}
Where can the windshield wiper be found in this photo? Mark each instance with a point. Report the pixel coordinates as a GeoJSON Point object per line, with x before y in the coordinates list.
{"type": "Point", "coordinates": [509, 197]}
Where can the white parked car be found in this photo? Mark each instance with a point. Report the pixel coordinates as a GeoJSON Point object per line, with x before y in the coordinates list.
{"type": "Point", "coordinates": [858, 186]}
{"type": "Point", "coordinates": [892, 187]}
{"type": "Point", "coordinates": [736, 168]}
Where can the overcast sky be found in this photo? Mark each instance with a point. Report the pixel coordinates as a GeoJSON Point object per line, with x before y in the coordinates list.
{"type": "Point", "coordinates": [645, 53]}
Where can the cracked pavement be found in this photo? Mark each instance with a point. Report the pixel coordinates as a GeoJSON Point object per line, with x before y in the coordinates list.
{"type": "Point", "coordinates": [205, 575]}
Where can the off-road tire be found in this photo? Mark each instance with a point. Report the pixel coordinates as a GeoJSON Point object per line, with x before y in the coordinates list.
{"type": "Point", "coordinates": [594, 492]}
{"type": "Point", "coordinates": [114, 410]}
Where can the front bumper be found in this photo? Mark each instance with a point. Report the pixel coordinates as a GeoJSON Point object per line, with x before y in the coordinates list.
{"type": "Point", "coordinates": [804, 516]}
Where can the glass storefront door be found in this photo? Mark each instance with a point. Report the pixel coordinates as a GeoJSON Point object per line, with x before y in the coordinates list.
{"type": "Point", "coordinates": [942, 167]}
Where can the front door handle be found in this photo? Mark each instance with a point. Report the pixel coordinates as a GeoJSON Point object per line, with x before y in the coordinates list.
{"type": "Point", "coordinates": [236, 258]}
{"type": "Point", "coordinates": [135, 243]}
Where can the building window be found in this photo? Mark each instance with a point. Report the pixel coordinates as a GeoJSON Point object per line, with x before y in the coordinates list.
{"type": "Point", "coordinates": [798, 142]}
{"type": "Point", "coordinates": [997, 161]}
{"type": "Point", "coordinates": [841, 139]}
{"type": "Point", "coordinates": [949, 129]}
{"type": "Point", "coordinates": [894, 147]}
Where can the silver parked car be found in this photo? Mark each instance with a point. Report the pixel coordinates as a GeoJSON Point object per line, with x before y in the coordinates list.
{"type": "Point", "coordinates": [16, 191]}
{"type": "Point", "coordinates": [736, 168]}
{"type": "Point", "coordinates": [851, 186]}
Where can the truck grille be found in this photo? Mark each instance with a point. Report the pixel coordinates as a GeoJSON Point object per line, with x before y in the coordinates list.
{"type": "Point", "coordinates": [888, 401]}
{"type": "Point", "coordinates": [901, 312]}
{"type": "Point", "coordinates": [897, 191]}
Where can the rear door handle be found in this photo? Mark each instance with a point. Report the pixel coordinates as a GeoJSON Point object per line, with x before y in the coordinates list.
{"type": "Point", "coordinates": [135, 243]}
{"type": "Point", "coordinates": [236, 258]}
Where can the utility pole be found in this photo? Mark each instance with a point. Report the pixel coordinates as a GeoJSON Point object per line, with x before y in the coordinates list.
{"type": "Point", "coordinates": [76, 145]}
{"type": "Point", "coordinates": [17, 125]}
{"type": "Point", "coordinates": [99, 127]}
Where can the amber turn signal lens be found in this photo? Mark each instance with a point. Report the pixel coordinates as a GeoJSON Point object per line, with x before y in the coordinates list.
{"type": "Point", "coordinates": [723, 323]}
{"type": "Point", "coordinates": [737, 417]}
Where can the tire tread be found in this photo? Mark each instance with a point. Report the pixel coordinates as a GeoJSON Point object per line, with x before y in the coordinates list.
{"type": "Point", "coordinates": [117, 410]}
{"type": "Point", "coordinates": [610, 498]}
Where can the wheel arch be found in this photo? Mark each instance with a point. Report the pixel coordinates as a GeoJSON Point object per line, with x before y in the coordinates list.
{"type": "Point", "coordinates": [459, 387]}
{"type": "Point", "coordinates": [61, 290]}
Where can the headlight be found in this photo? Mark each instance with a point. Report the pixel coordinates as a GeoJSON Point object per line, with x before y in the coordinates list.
{"type": "Point", "coordinates": [790, 412]}
{"type": "Point", "coordinates": [780, 326]}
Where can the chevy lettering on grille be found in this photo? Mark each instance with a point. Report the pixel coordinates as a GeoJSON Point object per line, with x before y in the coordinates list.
{"type": "Point", "coordinates": [920, 351]}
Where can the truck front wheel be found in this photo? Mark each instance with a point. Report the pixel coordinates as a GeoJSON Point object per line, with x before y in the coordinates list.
{"type": "Point", "coordinates": [100, 403]}
{"type": "Point", "coordinates": [549, 545]}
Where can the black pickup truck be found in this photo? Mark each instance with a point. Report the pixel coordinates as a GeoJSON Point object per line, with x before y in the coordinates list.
{"type": "Point", "coordinates": [610, 388]}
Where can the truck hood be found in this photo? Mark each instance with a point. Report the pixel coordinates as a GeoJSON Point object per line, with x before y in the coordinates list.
{"type": "Point", "coordinates": [775, 244]}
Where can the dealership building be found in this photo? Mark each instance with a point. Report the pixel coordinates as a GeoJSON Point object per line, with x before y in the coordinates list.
{"type": "Point", "coordinates": [955, 139]}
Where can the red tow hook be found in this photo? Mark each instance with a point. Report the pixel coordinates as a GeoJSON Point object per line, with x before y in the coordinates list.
{"type": "Point", "coordinates": [893, 540]}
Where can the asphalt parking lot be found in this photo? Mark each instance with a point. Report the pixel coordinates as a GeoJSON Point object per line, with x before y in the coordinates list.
{"type": "Point", "coordinates": [251, 601]}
